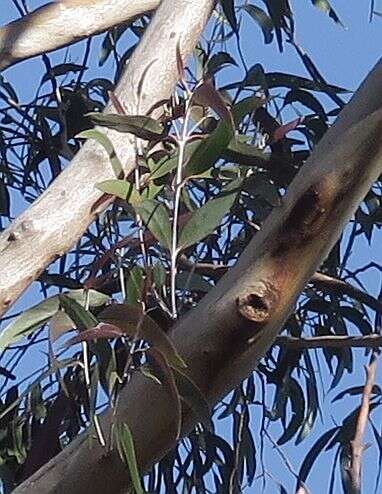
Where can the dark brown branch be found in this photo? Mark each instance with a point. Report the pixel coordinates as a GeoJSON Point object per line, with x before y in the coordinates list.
{"type": "Point", "coordinates": [320, 281]}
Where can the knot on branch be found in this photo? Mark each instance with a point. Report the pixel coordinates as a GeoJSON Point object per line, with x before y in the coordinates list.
{"type": "Point", "coordinates": [257, 304]}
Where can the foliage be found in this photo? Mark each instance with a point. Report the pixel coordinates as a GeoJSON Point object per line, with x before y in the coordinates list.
{"type": "Point", "coordinates": [211, 168]}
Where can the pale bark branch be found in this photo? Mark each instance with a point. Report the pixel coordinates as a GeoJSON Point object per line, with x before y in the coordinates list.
{"type": "Point", "coordinates": [62, 23]}
{"type": "Point", "coordinates": [357, 445]}
{"type": "Point", "coordinates": [224, 337]}
{"type": "Point", "coordinates": [36, 238]}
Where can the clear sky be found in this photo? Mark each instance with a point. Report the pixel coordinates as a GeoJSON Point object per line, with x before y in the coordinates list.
{"type": "Point", "coordinates": [344, 56]}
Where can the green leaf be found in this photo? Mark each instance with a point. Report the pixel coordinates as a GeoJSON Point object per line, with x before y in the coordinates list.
{"type": "Point", "coordinates": [81, 317]}
{"type": "Point", "coordinates": [106, 143]}
{"type": "Point", "coordinates": [262, 19]}
{"type": "Point", "coordinates": [125, 446]}
{"type": "Point", "coordinates": [206, 219]}
{"type": "Point", "coordinates": [139, 125]}
{"type": "Point", "coordinates": [62, 69]}
{"type": "Point", "coordinates": [155, 216]}
{"type": "Point", "coordinates": [134, 285]}
{"type": "Point", "coordinates": [193, 396]}
{"type": "Point", "coordinates": [228, 7]}
{"type": "Point", "coordinates": [36, 316]}
{"type": "Point", "coordinates": [168, 164]}
{"type": "Point", "coordinates": [246, 106]}
{"type": "Point", "coordinates": [245, 154]}
{"type": "Point", "coordinates": [131, 320]}
{"type": "Point", "coordinates": [120, 188]}
{"type": "Point", "coordinates": [210, 149]}
{"type": "Point", "coordinates": [219, 61]}
{"type": "Point", "coordinates": [325, 6]}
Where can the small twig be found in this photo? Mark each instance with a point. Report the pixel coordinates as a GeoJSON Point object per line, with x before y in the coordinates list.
{"type": "Point", "coordinates": [320, 281]}
{"type": "Point", "coordinates": [369, 341]}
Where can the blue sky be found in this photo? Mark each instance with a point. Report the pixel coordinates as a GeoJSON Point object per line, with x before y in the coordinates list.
{"type": "Point", "coordinates": [344, 56]}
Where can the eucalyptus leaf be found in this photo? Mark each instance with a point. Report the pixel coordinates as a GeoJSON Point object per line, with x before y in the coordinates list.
{"type": "Point", "coordinates": [205, 220]}
{"type": "Point", "coordinates": [125, 446]}
{"type": "Point", "coordinates": [155, 217]}
{"type": "Point", "coordinates": [210, 150]}
{"type": "Point", "coordinates": [141, 126]}
{"type": "Point", "coordinates": [36, 316]}
{"type": "Point", "coordinates": [120, 188]}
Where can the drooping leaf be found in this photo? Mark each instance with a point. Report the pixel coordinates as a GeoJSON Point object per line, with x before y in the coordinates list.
{"type": "Point", "coordinates": [325, 6]}
{"type": "Point", "coordinates": [205, 220]}
{"type": "Point", "coordinates": [228, 7]}
{"type": "Point", "coordinates": [219, 61]}
{"type": "Point", "coordinates": [106, 143]}
{"type": "Point", "coordinates": [61, 69]}
{"type": "Point", "coordinates": [193, 396]}
{"type": "Point", "coordinates": [297, 401]}
{"type": "Point", "coordinates": [155, 217]}
{"type": "Point", "coordinates": [209, 150]}
{"type": "Point", "coordinates": [36, 316]}
{"type": "Point", "coordinates": [262, 19]}
{"type": "Point", "coordinates": [141, 126]}
{"type": "Point", "coordinates": [120, 188]}
{"type": "Point", "coordinates": [134, 285]}
{"type": "Point", "coordinates": [82, 318]}
{"type": "Point", "coordinates": [125, 446]}
{"type": "Point", "coordinates": [101, 331]}
{"type": "Point", "coordinates": [160, 367]}
{"type": "Point", "coordinates": [313, 453]}
{"type": "Point", "coordinates": [131, 320]}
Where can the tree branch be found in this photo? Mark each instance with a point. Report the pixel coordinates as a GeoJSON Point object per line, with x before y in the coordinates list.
{"type": "Point", "coordinates": [369, 341]}
{"type": "Point", "coordinates": [357, 444]}
{"type": "Point", "coordinates": [62, 23]}
{"type": "Point", "coordinates": [72, 200]}
{"type": "Point", "coordinates": [321, 281]}
{"type": "Point", "coordinates": [223, 338]}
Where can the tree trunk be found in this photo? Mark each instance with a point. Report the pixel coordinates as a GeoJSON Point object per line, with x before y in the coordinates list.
{"type": "Point", "coordinates": [224, 337]}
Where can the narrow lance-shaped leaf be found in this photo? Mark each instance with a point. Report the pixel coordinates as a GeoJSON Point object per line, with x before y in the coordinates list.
{"type": "Point", "coordinates": [125, 446]}
{"type": "Point", "coordinates": [206, 219]}
{"type": "Point", "coordinates": [120, 188]}
{"type": "Point", "coordinates": [155, 217]}
{"type": "Point", "coordinates": [141, 126]}
{"type": "Point", "coordinates": [131, 320]}
{"type": "Point", "coordinates": [193, 397]}
{"type": "Point", "coordinates": [262, 19]}
{"type": "Point", "coordinates": [159, 366]}
{"type": "Point", "coordinates": [210, 149]}
{"type": "Point", "coordinates": [39, 314]}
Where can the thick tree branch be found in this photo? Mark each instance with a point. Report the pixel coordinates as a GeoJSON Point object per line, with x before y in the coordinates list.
{"type": "Point", "coordinates": [64, 22]}
{"type": "Point", "coordinates": [224, 337]}
{"type": "Point", "coordinates": [72, 199]}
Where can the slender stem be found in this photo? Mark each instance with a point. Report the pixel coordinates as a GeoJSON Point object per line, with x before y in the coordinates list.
{"type": "Point", "coordinates": [178, 190]}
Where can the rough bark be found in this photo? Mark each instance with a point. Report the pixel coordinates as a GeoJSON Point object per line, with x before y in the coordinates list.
{"type": "Point", "coordinates": [223, 338]}
{"type": "Point", "coordinates": [64, 22]}
{"type": "Point", "coordinates": [35, 239]}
